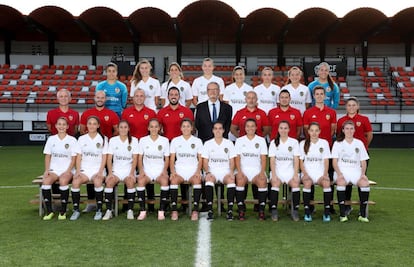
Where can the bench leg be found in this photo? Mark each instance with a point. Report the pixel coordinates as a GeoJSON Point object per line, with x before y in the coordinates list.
{"type": "Point", "coordinates": [190, 197]}
{"type": "Point", "coordinates": [116, 201]}
{"type": "Point", "coordinates": [40, 201]}
{"type": "Point", "coordinates": [219, 199]}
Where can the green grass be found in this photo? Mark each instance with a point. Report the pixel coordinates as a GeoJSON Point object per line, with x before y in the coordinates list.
{"type": "Point", "coordinates": [386, 240]}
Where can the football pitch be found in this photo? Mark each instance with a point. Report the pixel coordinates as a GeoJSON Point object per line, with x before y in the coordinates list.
{"type": "Point", "coordinates": [26, 240]}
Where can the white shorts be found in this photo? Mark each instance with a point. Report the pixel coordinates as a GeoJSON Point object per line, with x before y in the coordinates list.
{"type": "Point", "coordinates": [121, 174]}
{"type": "Point", "coordinates": [284, 177]}
{"type": "Point", "coordinates": [351, 176]}
{"type": "Point", "coordinates": [185, 172]}
{"type": "Point", "coordinates": [315, 175]}
{"type": "Point", "coordinates": [59, 172]}
{"type": "Point", "coordinates": [250, 173]}
{"type": "Point", "coordinates": [91, 172]}
{"type": "Point", "coordinates": [219, 174]}
{"type": "Point", "coordinates": [153, 174]}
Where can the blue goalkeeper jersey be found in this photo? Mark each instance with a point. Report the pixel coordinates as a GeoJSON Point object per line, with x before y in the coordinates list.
{"type": "Point", "coordinates": [116, 95]}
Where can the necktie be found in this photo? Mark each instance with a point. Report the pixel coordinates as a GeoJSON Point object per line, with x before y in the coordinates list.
{"type": "Point", "coordinates": [214, 113]}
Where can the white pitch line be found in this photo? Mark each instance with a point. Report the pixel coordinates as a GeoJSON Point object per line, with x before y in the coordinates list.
{"type": "Point", "coordinates": [393, 188]}
{"type": "Point", "coordinates": [203, 254]}
{"type": "Point", "coordinates": [16, 186]}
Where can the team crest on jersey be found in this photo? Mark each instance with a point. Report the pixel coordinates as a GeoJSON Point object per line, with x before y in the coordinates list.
{"type": "Point", "coordinates": [181, 115]}
{"type": "Point", "coordinates": [182, 89]}
{"type": "Point", "coordinates": [290, 149]}
{"type": "Point", "coordinates": [256, 145]}
{"type": "Point", "coordinates": [98, 145]}
{"type": "Point", "coordinates": [328, 117]}
{"type": "Point", "coordinates": [106, 118]}
{"type": "Point", "coordinates": [292, 117]}
{"type": "Point", "coordinates": [151, 87]}
{"type": "Point", "coordinates": [226, 150]}
{"type": "Point", "coordinates": [328, 89]}
{"type": "Point", "coordinates": [146, 116]}
{"type": "Point", "coordinates": [66, 146]}
{"type": "Point", "coordinates": [321, 149]}
{"type": "Point", "coordinates": [313, 116]}
{"type": "Point", "coordinates": [301, 93]}
{"type": "Point", "coordinates": [131, 115]}
{"type": "Point", "coordinates": [129, 148]}
{"type": "Point", "coordinates": [356, 150]}
{"type": "Point", "coordinates": [257, 117]}
{"type": "Point", "coordinates": [358, 123]}
{"type": "Point", "coordinates": [273, 93]}
{"type": "Point", "coordinates": [160, 147]}
{"type": "Point", "coordinates": [117, 90]}
{"type": "Point", "coordinates": [192, 146]}
{"type": "Point", "coordinates": [277, 116]}
{"type": "Point", "coordinates": [70, 117]}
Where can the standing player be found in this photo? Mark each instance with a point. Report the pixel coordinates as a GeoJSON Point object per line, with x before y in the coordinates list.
{"type": "Point", "coordinates": [285, 112]}
{"type": "Point", "coordinates": [199, 87]}
{"type": "Point", "coordinates": [121, 163]}
{"type": "Point", "coordinates": [251, 111]}
{"type": "Point", "coordinates": [363, 132]}
{"type": "Point", "coordinates": [349, 161]}
{"type": "Point", "coordinates": [300, 95]}
{"type": "Point", "coordinates": [63, 110]}
{"type": "Point", "coordinates": [185, 166]}
{"type": "Point", "coordinates": [332, 93]}
{"type": "Point", "coordinates": [153, 162]}
{"type": "Point", "coordinates": [314, 165]}
{"type": "Point", "coordinates": [267, 92]}
{"type": "Point", "coordinates": [60, 154]}
{"type": "Point", "coordinates": [116, 92]}
{"type": "Point", "coordinates": [284, 164]}
{"type": "Point", "coordinates": [90, 166]}
{"type": "Point", "coordinates": [176, 80]}
{"type": "Point", "coordinates": [218, 165]}
{"type": "Point", "coordinates": [141, 79]}
{"type": "Point", "coordinates": [326, 118]}
{"type": "Point", "coordinates": [251, 158]}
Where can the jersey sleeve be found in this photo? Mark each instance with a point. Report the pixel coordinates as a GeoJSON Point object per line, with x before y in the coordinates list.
{"type": "Point", "coordinates": [135, 146]}
{"type": "Point", "coordinates": [335, 96]}
{"type": "Point", "coordinates": [326, 150]}
{"type": "Point", "coordinates": [263, 147]}
{"type": "Point", "coordinates": [157, 88]}
{"type": "Point", "coordinates": [335, 150]}
{"type": "Point", "coordinates": [296, 151]}
{"type": "Point", "coordinates": [204, 151]}
{"type": "Point", "coordinates": [140, 147]}
{"type": "Point", "coordinates": [75, 147]}
{"type": "Point", "coordinates": [167, 148]}
{"type": "Point", "coordinates": [124, 96]}
{"type": "Point", "coordinates": [363, 152]}
{"type": "Point", "coordinates": [194, 88]}
{"type": "Point", "coordinates": [47, 150]}
{"type": "Point", "coordinates": [232, 150]}
{"type": "Point", "coordinates": [188, 93]}
{"type": "Point", "coordinates": [302, 149]}
{"type": "Point", "coordinates": [110, 149]}
{"type": "Point", "coordinates": [173, 145]}
{"type": "Point", "coordinates": [272, 149]}
{"type": "Point", "coordinates": [308, 97]}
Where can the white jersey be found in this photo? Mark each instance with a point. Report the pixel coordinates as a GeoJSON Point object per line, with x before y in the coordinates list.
{"type": "Point", "coordinates": [236, 96]}
{"type": "Point", "coordinates": [218, 156]}
{"type": "Point", "coordinates": [200, 86]}
{"type": "Point", "coordinates": [299, 97]}
{"type": "Point", "coordinates": [284, 158]}
{"type": "Point", "coordinates": [185, 91]}
{"type": "Point", "coordinates": [349, 157]}
{"type": "Point", "coordinates": [250, 152]}
{"type": "Point", "coordinates": [152, 89]}
{"type": "Point", "coordinates": [186, 154]}
{"type": "Point", "coordinates": [313, 161]}
{"type": "Point", "coordinates": [122, 152]}
{"type": "Point", "coordinates": [92, 151]}
{"type": "Point", "coordinates": [61, 152]}
{"type": "Point", "coordinates": [154, 153]}
{"type": "Point", "coordinates": [267, 97]}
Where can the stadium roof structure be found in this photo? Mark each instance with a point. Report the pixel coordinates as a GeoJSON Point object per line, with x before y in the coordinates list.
{"type": "Point", "coordinates": [225, 21]}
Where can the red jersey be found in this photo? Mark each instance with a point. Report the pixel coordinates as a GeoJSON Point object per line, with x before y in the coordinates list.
{"type": "Point", "coordinates": [72, 115]}
{"type": "Point", "coordinates": [325, 117]}
{"type": "Point", "coordinates": [291, 115]}
{"type": "Point", "coordinates": [138, 120]}
{"type": "Point", "coordinates": [244, 114]}
{"type": "Point", "coordinates": [107, 117]}
{"type": "Point", "coordinates": [170, 119]}
{"type": "Point", "coordinates": [362, 126]}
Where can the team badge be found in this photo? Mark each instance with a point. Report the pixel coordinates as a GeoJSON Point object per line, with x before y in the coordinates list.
{"type": "Point", "coordinates": [98, 145]}
{"type": "Point", "coordinates": [257, 117]}
{"type": "Point", "coordinates": [328, 117]}
{"type": "Point", "coordinates": [192, 146]}
{"type": "Point", "coordinates": [290, 149]}
{"type": "Point", "coordinates": [70, 117]}
{"type": "Point", "coordinates": [256, 145]}
{"type": "Point", "coordinates": [160, 147]}
{"type": "Point", "coordinates": [146, 147]}
{"type": "Point", "coordinates": [328, 89]}
{"type": "Point", "coordinates": [277, 116]}
{"type": "Point", "coordinates": [356, 150]}
{"type": "Point", "coordinates": [321, 149]}
{"type": "Point", "coordinates": [117, 90]}
{"type": "Point", "coordinates": [273, 93]}
{"type": "Point", "coordinates": [151, 87]}
{"type": "Point", "coordinates": [292, 117]}
{"type": "Point", "coordinates": [66, 146]}
{"type": "Point", "coordinates": [182, 89]}
{"type": "Point", "coordinates": [226, 150]}
{"type": "Point", "coordinates": [313, 116]}
{"type": "Point", "coordinates": [106, 118]}
{"type": "Point", "coordinates": [301, 93]}
{"type": "Point", "coordinates": [181, 115]}
{"type": "Point", "coordinates": [131, 115]}
{"type": "Point", "coordinates": [146, 116]}
{"type": "Point", "coordinates": [129, 148]}
{"type": "Point", "coordinates": [358, 123]}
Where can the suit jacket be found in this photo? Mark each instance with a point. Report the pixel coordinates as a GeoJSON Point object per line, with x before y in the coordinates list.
{"type": "Point", "coordinates": [204, 124]}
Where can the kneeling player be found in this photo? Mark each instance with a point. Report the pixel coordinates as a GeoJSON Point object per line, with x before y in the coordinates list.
{"type": "Point", "coordinates": [251, 152]}
{"type": "Point", "coordinates": [349, 161]}
{"type": "Point", "coordinates": [284, 164]}
{"type": "Point", "coordinates": [314, 164]}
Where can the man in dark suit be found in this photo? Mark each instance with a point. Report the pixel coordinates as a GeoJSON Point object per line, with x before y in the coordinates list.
{"type": "Point", "coordinates": [211, 111]}
{"type": "Point", "coordinates": [207, 113]}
